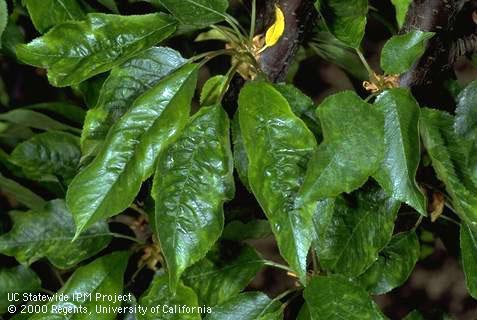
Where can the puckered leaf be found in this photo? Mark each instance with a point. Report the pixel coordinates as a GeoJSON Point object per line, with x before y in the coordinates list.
{"type": "Point", "coordinates": [350, 236]}
{"type": "Point", "coordinates": [402, 51]}
{"type": "Point", "coordinates": [159, 294]}
{"type": "Point", "coordinates": [75, 51]}
{"type": "Point", "coordinates": [468, 245]}
{"type": "Point", "coordinates": [240, 154]}
{"type": "Point", "coordinates": [194, 178]}
{"type": "Point", "coordinates": [352, 150]}
{"type": "Point", "coordinates": [448, 154]}
{"type": "Point", "coordinates": [196, 13]}
{"type": "Point", "coordinates": [402, 7]}
{"type": "Point", "coordinates": [109, 184]}
{"type": "Point", "coordinates": [465, 124]}
{"type": "Point", "coordinates": [346, 19]}
{"type": "Point", "coordinates": [48, 233]}
{"type": "Point", "coordinates": [336, 297]}
{"type": "Point", "coordinates": [394, 265]}
{"type": "Point", "coordinates": [124, 84]}
{"type": "Point", "coordinates": [247, 306]}
{"type": "Point", "coordinates": [278, 145]}
{"type": "Point", "coordinates": [402, 148]}
{"type": "Point", "coordinates": [217, 281]}
{"type": "Point", "coordinates": [104, 276]}
{"type": "Point", "coordinates": [48, 156]}
{"type": "Point", "coordinates": [48, 13]}
{"type": "Point", "coordinates": [21, 194]}
{"type": "Point", "coordinates": [18, 279]}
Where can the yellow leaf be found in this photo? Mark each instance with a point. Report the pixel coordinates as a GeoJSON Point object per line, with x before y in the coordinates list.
{"type": "Point", "coordinates": [275, 32]}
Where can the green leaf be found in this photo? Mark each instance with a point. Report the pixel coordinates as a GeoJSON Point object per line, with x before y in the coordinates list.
{"type": "Point", "coordinates": [125, 83]}
{"type": "Point", "coordinates": [352, 150]}
{"type": "Point", "coordinates": [325, 45]}
{"type": "Point", "coordinates": [350, 236]}
{"type": "Point", "coordinates": [247, 306]}
{"type": "Point", "coordinates": [217, 281]}
{"type": "Point", "coordinates": [401, 6]}
{"type": "Point", "coordinates": [66, 110]}
{"type": "Point", "coordinates": [212, 90]}
{"type": "Point", "coordinates": [402, 51]}
{"type": "Point", "coordinates": [35, 120]}
{"type": "Point", "coordinates": [197, 13]}
{"type": "Point", "coordinates": [448, 154]}
{"type": "Point", "coordinates": [48, 156]}
{"type": "Point", "coordinates": [278, 145]}
{"type": "Point", "coordinates": [48, 233]}
{"type": "Point", "coordinates": [109, 184]}
{"type": "Point", "coordinates": [12, 35]}
{"type": "Point", "coordinates": [22, 194]}
{"type": "Point", "coordinates": [255, 229]}
{"type": "Point", "coordinates": [346, 19]}
{"type": "Point", "coordinates": [301, 105]}
{"type": "Point", "coordinates": [75, 51]}
{"type": "Point", "coordinates": [18, 279]}
{"type": "Point", "coordinates": [402, 153]}
{"type": "Point", "coordinates": [468, 246]}
{"type": "Point", "coordinates": [159, 294]}
{"type": "Point", "coordinates": [102, 277]}
{"type": "Point", "coordinates": [394, 266]}
{"type": "Point", "coordinates": [414, 315]}
{"type": "Point", "coordinates": [240, 154]}
{"type": "Point", "coordinates": [194, 178]}
{"type": "Point", "coordinates": [49, 13]}
{"type": "Point", "coordinates": [110, 4]}
{"type": "Point", "coordinates": [336, 297]}
{"type": "Point", "coordinates": [465, 124]}
{"type": "Point", "coordinates": [3, 18]}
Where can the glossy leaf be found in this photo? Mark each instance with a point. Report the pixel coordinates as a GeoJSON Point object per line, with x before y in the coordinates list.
{"type": "Point", "coordinates": [402, 51]}
{"type": "Point", "coordinates": [336, 297]}
{"type": "Point", "coordinates": [109, 184]}
{"type": "Point", "coordinates": [197, 13]}
{"type": "Point", "coordinates": [159, 294]}
{"type": "Point", "coordinates": [212, 90]}
{"type": "Point", "coordinates": [278, 145]}
{"type": "Point", "coordinates": [21, 193]}
{"type": "Point", "coordinates": [301, 105]}
{"type": "Point", "coordinates": [401, 6]}
{"type": "Point", "coordinates": [48, 13]}
{"type": "Point", "coordinates": [193, 180]}
{"type": "Point", "coordinates": [394, 265]}
{"type": "Point", "coordinates": [447, 152]}
{"type": "Point", "coordinates": [103, 276]}
{"type": "Point", "coordinates": [468, 245]}
{"type": "Point", "coordinates": [75, 51]}
{"type": "Point", "coordinates": [18, 279]}
{"type": "Point", "coordinates": [247, 306]}
{"type": "Point", "coordinates": [397, 174]}
{"type": "Point", "coordinates": [35, 120]}
{"type": "Point", "coordinates": [240, 154]}
{"type": "Point", "coordinates": [346, 19]}
{"type": "Point", "coordinates": [352, 149]}
{"type": "Point", "coordinates": [255, 229]}
{"type": "Point", "coordinates": [66, 110]}
{"type": "Point", "coordinates": [350, 236]}
{"type": "Point", "coordinates": [3, 18]}
{"type": "Point", "coordinates": [48, 156]}
{"type": "Point", "coordinates": [124, 84]}
{"type": "Point", "coordinates": [216, 281]}
{"type": "Point", "coordinates": [48, 233]}
{"type": "Point", "coordinates": [465, 124]}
